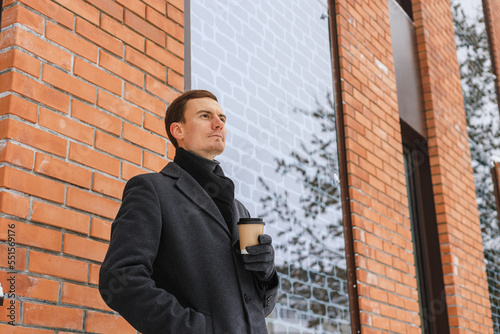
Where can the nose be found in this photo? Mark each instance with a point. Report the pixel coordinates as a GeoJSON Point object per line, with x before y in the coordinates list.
{"type": "Point", "coordinates": [217, 123]}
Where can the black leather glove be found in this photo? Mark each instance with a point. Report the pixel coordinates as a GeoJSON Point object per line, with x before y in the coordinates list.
{"type": "Point", "coordinates": [260, 258]}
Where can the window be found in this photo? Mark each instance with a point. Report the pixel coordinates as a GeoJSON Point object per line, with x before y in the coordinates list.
{"type": "Point", "coordinates": [429, 272]}
{"type": "Point", "coordinates": [269, 64]}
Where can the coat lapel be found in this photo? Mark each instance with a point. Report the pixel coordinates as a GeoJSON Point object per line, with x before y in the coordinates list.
{"type": "Point", "coordinates": [192, 190]}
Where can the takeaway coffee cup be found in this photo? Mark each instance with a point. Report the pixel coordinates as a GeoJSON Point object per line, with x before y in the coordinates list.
{"type": "Point", "coordinates": [249, 230]}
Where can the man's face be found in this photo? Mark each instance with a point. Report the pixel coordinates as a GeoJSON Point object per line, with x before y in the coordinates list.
{"type": "Point", "coordinates": [204, 130]}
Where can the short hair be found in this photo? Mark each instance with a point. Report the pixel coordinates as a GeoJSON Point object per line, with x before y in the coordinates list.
{"type": "Point", "coordinates": [175, 111]}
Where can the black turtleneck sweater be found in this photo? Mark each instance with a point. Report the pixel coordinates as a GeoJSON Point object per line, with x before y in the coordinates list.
{"type": "Point", "coordinates": [210, 176]}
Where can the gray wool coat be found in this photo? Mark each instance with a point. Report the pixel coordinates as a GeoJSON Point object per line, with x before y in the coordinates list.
{"type": "Point", "coordinates": [173, 266]}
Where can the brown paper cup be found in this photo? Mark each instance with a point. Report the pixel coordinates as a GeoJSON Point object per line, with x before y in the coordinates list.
{"type": "Point", "coordinates": [249, 230]}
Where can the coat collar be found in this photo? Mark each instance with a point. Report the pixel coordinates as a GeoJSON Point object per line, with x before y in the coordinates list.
{"type": "Point", "coordinates": [192, 190]}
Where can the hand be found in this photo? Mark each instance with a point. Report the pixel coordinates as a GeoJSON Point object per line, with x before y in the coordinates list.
{"type": "Point", "coordinates": [260, 258]}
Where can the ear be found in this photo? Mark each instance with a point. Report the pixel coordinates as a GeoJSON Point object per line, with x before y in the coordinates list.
{"type": "Point", "coordinates": [177, 130]}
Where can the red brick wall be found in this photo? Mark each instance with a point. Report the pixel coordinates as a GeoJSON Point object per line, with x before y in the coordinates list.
{"type": "Point", "coordinates": [83, 89]}
{"type": "Point", "coordinates": [453, 185]}
{"type": "Point", "coordinates": [388, 298]}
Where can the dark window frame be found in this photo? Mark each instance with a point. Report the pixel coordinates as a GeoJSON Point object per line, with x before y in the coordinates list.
{"type": "Point", "coordinates": [495, 169]}
{"type": "Point", "coordinates": [428, 265]}
{"type": "Point", "coordinates": [1, 11]}
{"type": "Point", "coordinates": [407, 7]}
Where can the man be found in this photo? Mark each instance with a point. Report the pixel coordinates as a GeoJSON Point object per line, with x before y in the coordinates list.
{"type": "Point", "coordinates": [173, 263]}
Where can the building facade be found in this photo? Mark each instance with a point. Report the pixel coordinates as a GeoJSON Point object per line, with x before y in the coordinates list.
{"type": "Point", "coordinates": [348, 132]}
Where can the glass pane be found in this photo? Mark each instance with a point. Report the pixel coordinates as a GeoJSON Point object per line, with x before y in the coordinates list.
{"type": "Point", "coordinates": [269, 63]}
{"type": "Point", "coordinates": [483, 120]}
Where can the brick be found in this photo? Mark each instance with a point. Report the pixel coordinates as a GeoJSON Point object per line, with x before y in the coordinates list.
{"type": "Point", "coordinates": [109, 7]}
{"type": "Point", "coordinates": [33, 287]}
{"type": "Point", "coordinates": [60, 217]}
{"type": "Point", "coordinates": [153, 162]}
{"type": "Point", "coordinates": [99, 37]}
{"type": "Point", "coordinates": [129, 171]}
{"type": "Point", "coordinates": [100, 228]}
{"type": "Point", "coordinates": [166, 25]}
{"type": "Point", "coordinates": [22, 61]}
{"type": "Point", "coordinates": [117, 147]}
{"type": "Point", "coordinates": [171, 151]}
{"type": "Point", "coordinates": [159, 5]}
{"type": "Point", "coordinates": [20, 258]}
{"type": "Point", "coordinates": [15, 105]}
{"type": "Point", "coordinates": [16, 155]}
{"type": "Point", "coordinates": [71, 41]}
{"type": "Point", "coordinates": [9, 329]}
{"type": "Point", "coordinates": [14, 204]}
{"type": "Point", "coordinates": [57, 266]}
{"type": "Point", "coordinates": [66, 126]}
{"type": "Point", "coordinates": [21, 15]}
{"type": "Point", "coordinates": [27, 41]}
{"type": "Point", "coordinates": [175, 47]}
{"type": "Point", "coordinates": [164, 57]}
{"type": "Point", "coordinates": [122, 69]}
{"type": "Point", "coordinates": [94, 273]}
{"type": "Point", "coordinates": [18, 83]}
{"type": "Point", "coordinates": [84, 248]}
{"type": "Point", "coordinates": [144, 138]}
{"type": "Point", "coordinates": [119, 107]}
{"type": "Point", "coordinates": [135, 6]}
{"type": "Point", "coordinates": [90, 202]}
{"type": "Point", "coordinates": [178, 4]}
{"type": "Point", "coordinates": [107, 324]}
{"type": "Point", "coordinates": [160, 90]}
{"type": "Point", "coordinates": [88, 157]}
{"type": "Point", "coordinates": [97, 77]}
{"type": "Point", "coordinates": [96, 117]}
{"type": "Point", "coordinates": [107, 186]}
{"type": "Point", "coordinates": [45, 315]}
{"type": "Point", "coordinates": [175, 14]}
{"type": "Point", "coordinates": [31, 184]}
{"type": "Point", "coordinates": [62, 170]}
{"type": "Point", "coordinates": [144, 28]}
{"type": "Point", "coordinates": [68, 83]}
{"type": "Point", "coordinates": [82, 9]}
{"type": "Point", "coordinates": [52, 10]}
{"type": "Point", "coordinates": [175, 80]}
{"type": "Point", "coordinates": [3, 315]}
{"type": "Point", "coordinates": [82, 296]}
{"type": "Point", "coordinates": [117, 29]}
{"type": "Point", "coordinates": [144, 100]}
{"type": "Point", "coordinates": [145, 63]}
{"type": "Point", "coordinates": [34, 236]}
{"type": "Point", "coordinates": [155, 124]}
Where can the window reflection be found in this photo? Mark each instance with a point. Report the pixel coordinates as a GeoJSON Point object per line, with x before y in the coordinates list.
{"type": "Point", "coordinates": [483, 127]}
{"type": "Point", "coordinates": [269, 64]}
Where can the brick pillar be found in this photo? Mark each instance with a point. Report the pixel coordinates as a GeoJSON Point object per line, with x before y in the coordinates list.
{"type": "Point", "coordinates": [453, 184]}
{"type": "Point", "coordinates": [491, 10]}
{"type": "Point", "coordinates": [386, 282]}
{"type": "Point", "coordinates": [83, 90]}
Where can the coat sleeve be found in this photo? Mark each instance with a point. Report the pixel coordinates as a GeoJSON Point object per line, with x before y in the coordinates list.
{"type": "Point", "coordinates": [268, 292]}
{"type": "Point", "coordinates": [125, 281]}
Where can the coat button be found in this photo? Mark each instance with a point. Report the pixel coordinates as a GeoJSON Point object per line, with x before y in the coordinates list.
{"type": "Point", "coordinates": [246, 298]}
